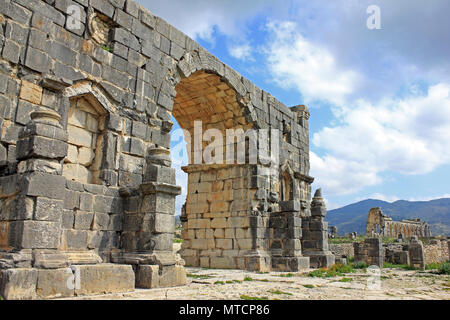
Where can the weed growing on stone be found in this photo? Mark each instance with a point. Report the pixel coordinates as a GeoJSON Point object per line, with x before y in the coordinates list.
{"type": "Point", "coordinates": [280, 292]}
{"type": "Point", "coordinates": [248, 279]}
{"type": "Point", "coordinates": [199, 276]}
{"type": "Point", "coordinates": [245, 297]}
{"type": "Point", "coordinates": [333, 271]}
{"type": "Point", "coordinates": [398, 266]}
{"type": "Point", "coordinates": [309, 286]}
{"type": "Point", "coordinates": [286, 275]}
{"type": "Point", "coordinates": [345, 280]}
{"type": "Point", "coordinates": [219, 282]}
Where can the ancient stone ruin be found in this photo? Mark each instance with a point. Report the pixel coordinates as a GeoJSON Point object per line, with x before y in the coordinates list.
{"type": "Point", "coordinates": [379, 223]}
{"type": "Point", "coordinates": [87, 193]}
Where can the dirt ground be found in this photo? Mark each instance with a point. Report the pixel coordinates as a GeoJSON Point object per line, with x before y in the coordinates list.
{"type": "Point", "coordinates": [219, 284]}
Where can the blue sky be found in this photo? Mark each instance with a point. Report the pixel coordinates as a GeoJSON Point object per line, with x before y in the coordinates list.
{"type": "Point", "coordinates": [379, 99]}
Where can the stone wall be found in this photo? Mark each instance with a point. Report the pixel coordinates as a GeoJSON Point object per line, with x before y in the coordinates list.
{"type": "Point", "coordinates": [342, 249]}
{"type": "Point", "coordinates": [437, 251]}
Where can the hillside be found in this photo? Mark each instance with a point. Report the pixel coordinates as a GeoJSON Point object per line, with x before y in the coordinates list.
{"type": "Point", "coordinates": [353, 217]}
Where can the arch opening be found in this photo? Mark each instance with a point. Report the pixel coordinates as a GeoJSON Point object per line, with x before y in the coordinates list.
{"type": "Point", "coordinates": [218, 194]}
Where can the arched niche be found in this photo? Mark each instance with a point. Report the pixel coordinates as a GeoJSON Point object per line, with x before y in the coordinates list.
{"type": "Point", "coordinates": [85, 123]}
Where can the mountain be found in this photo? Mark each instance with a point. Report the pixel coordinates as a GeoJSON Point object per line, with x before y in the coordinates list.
{"type": "Point", "coordinates": [353, 217]}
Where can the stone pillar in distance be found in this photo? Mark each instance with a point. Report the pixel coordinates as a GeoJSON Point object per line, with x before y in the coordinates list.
{"type": "Point", "coordinates": [315, 234]}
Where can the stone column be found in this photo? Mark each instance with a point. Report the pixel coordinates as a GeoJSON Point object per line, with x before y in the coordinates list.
{"type": "Point", "coordinates": [41, 148]}
{"type": "Point", "coordinates": [32, 203]}
{"type": "Point", "coordinates": [286, 232]}
{"type": "Point", "coordinates": [151, 250]}
{"type": "Point", "coordinates": [416, 253]}
{"type": "Point", "coordinates": [315, 234]}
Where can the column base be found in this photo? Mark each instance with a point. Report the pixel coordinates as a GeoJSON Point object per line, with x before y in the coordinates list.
{"type": "Point", "coordinates": [32, 283]}
{"type": "Point", "coordinates": [290, 263]}
{"type": "Point", "coordinates": [320, 259]}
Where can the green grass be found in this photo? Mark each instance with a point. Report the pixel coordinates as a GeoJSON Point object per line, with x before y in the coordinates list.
{"type": "Point", "coordinates": [177, 240]}
{"type": "Point", "coordinates": [219, 282]}
{"type": "Point", "coordinates": [444, 268]}
{"type": "Point", "coordinates": [340, 240]}
{"type": "Point", "coordinates": [263, 280]}
{"type": "Point", "coordinates": [107, 48]}
{"type": "Point", "coordinates": [245, 297]}
{"type": "Point", "coordinates": [432, 266]}
{"type": "Point", "coordinates": [229, 281]}
{"type": "Point", "coordinates": [280, 292]}
{"type": "Point", "coordinates": [398, 266]}
{"type": "Point", "coordinates": [333, 271]}
{"type": "Point", "coordinates": [286, 275]}
{"type": "Point", "coordinates": [345, 280]}
{"type": "Point", "coordinates": [199, 276]}
{"type": "Point", "coordinates": [359, 265]}
{"type": "Point", "coordinates": [309, 286]}
{"type": "Point", "coordinates": [248, 279]}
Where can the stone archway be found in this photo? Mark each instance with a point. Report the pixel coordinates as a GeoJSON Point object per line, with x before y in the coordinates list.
{"type": "Point", "coordinates": [216, 214]}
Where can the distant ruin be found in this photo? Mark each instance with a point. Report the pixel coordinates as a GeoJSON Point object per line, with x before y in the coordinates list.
{"type": "Point", "coordinates": [381, 224]}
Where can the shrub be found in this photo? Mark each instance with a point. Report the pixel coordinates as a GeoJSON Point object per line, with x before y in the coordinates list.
{"type": "Point", "coordinates": [444, 268]}
{"type": "Point", "coordinates": [360, 265]}
{"type": "Point", "coordinates": [433, 266]}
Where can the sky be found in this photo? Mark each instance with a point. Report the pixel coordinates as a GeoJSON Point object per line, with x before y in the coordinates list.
{"type": "Point", "coordinates": [379, 98]}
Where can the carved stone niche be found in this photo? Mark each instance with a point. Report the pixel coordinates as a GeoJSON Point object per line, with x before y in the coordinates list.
{"type": "Point", "coordinates": [100, 28]}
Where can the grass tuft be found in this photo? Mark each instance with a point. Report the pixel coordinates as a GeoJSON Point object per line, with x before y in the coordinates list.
{"type": "Point", "coordinates": [280, 292]}
{"type": "Point", "coordinates": [345, 280]}
{"type": "Point", "coordinates": [199, 276]}
{"type": "Point", "coordinates": [245, 297]}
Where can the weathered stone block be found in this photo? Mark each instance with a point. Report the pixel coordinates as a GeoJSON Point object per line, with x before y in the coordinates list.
{"type": "Point", "coordinates": [55, 283]}
{"type": "Point", "coordinates": [18, 284]}
{"type": "Point", "coordinates": [44, 185]}
{"type": "Point", "coordinates": [35, 234]}
{"type": "Point", "coordinates": [48, 209]}
{"type": "Point", "coordinates": [105, 278]}
{"type": "Point", "coordinates": [83, 220]}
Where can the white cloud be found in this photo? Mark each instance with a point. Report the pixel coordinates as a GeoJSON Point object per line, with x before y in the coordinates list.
{"type": "Point", "coordinates": [200, 18]}
{"type": "Point", "coordinates": [241, 52]}
{"type": "Point", "coordinates": [295, 62]}
{"type": "Point", "coordinates": [440, 196]}
{"type": "Point", "coordinates": [409, 135]}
